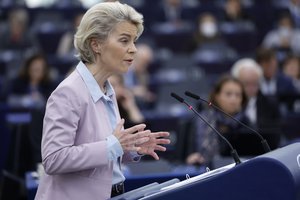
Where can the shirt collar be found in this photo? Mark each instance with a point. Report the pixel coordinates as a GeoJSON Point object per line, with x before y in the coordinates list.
{"type": "Point", "coordinates": [92, 84]}
{"type": "Point", "coordinates": [252, 100]}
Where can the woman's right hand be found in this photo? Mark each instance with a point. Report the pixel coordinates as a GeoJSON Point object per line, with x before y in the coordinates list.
{"type": "Point", "coordinates": [132, 136]}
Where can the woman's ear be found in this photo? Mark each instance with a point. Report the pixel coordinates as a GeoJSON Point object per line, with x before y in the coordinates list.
{"type": "Point", "coordinates": [95, 44]}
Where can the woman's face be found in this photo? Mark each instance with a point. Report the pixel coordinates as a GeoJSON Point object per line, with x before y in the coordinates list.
{"type": "Point", "coordinates": [230, 97]}
{"type": "Point", "coordinates": [117, 52]}
{"type": "Point", "coordinates": [37, 70]}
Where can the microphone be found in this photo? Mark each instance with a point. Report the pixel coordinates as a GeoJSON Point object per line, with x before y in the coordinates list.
{"type": "Point", "coordinates": [262, 140]}
{"type": "Point", "coordinates": [233, 151]}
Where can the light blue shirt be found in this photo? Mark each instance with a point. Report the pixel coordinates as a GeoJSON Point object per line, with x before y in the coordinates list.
{"type": "Point", "coordinates": [115, 150]}
{"type": "Point", "coordinates": [268, 87]}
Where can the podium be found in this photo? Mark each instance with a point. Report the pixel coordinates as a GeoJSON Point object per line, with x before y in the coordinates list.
{"type": "Point", "coordinates": [271, 176]}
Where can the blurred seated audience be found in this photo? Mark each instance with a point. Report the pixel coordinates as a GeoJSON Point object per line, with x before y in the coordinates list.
{"type": "Point", "coordinates": [233, 11]}
{"type": "Point", "coordinates": [17, 35]}
{"type": "Point", "coordinates": [169, 11]}
{"type": "Point", "coordinates": [229, 95]}
{"type": "Point", "coordinates": [33, 86]}
{"type": "Point", "coordinates": [237, 28]}
{"type": "Point", "coordinates": [292, 6]}
{"type": "Point", "coordinates": [263, 114]}
{"type": "Point", "coordinates": [126, 102]}
{"type": "Point", "coordinates": [65, 45]}
{"type": "Point", "coordinates": [274, 82]}
{"type": "Point", "coordinates": [168, 17]}
{"type": "Point", "coordinates": [207, 30]}
{"type": "Point", "coordinates": [208, 43]}
{"type": "Point", "coordinates": [168, 25]}
{"type": "Point", "coordinates": [27, 94]}
{"type": "Point", "coordinates": [291, 68]}
{"type": "Point", "coordinates": [137, 78]}
{"type": "Point", "coordinates": [285, 37]}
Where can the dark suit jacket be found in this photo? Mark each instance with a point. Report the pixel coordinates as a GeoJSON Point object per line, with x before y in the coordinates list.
{"type": "Point", "coordinates": [284, 85]}
{"type": "Point", "coordinates": [268, 120]}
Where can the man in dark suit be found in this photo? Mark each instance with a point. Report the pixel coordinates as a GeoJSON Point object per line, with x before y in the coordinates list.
{"type": "Point", "coordinates": [273, 82]}
{"type": "Point", "coordinates": [262, 113]}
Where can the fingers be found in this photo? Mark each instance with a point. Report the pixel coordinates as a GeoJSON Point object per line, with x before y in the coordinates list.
{"type": "Point", "coordinates": [160, 134]}
{"type": "Point", "coordinates": [135, 128]}
{"type": "Point", "coordinates": [160, 148]}
{"type": "Point", "coordinates": [130, 142]}
{"type": "Point", "coordinates": [154, 155]}
{"type": "Point", "coordinates": [140, 137]}
{"type": "Point", "coordinates": [141, 140]}
{"type": "Point", "coordinates": [156, 135]}
{"type": "Point", "coordinates": [163, 141]}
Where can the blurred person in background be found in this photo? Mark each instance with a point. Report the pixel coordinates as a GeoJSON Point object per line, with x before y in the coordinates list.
{"type": "Point", "coordinates": [65, 45]}
{"type": "Point", "coordinates": [128, 108]}
{"type": "Point", "coordinates": [237, 26]}
{"type": "Point", "coordinates": [294, 8]}
{"type": "Point", "coordinates": [27, 94]}
{"type": "Point", "coordinates": [208, 45]}
{"type": "Point", "coordinates": [208, 30]}
{"type": "Point", "coordinates": [285, 37]}
{"type": "Point", "coordinates": [233, 11]}
{"type": "Point", "coordinates": [291, 68]}
{"type": "Point", "coordinates": [273, 82]}
{"type": "Point", "coordinates": [34, 84]}
{"type": "Point", "coordinates": [17, 36]}
{"type": "Point", "coordinates": [137, 78]}
{"type": "Point", "coordinates": [263, 114]}
{"type": "Point", "coordinates": [229, 95]}
{"type": "Point", "coordinates": [170, 11]}
{"type": "Point", "coordinates": [167, 17]}
{"type": "Point", "coordinates": [31, 90]}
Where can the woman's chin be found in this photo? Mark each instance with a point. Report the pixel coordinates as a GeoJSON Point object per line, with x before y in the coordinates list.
{"type": "Point", "coordinates": [124, 69]}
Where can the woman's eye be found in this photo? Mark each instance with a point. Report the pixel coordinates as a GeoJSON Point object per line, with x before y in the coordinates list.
{"type": "Point", "coordinates": [124, 41]}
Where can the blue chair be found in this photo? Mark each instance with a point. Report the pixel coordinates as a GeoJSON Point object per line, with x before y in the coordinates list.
{"type": "Point", "coordinates": [240, 36]}
{"type": "Point", "coordinates": [172, 37]}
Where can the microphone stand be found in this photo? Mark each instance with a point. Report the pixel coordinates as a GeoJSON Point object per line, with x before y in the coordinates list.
{"type": "Point", "coordinates": [264, 142]}
{"type": "Point", "coordinates": [233, 151]}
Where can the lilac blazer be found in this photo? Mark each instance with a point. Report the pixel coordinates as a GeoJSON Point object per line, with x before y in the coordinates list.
{"type": "Point", "coordinates": [74, 149]}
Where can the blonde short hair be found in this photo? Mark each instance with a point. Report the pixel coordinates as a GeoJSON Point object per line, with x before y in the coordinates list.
{"type": "Point", "coordinates": [98, 22]}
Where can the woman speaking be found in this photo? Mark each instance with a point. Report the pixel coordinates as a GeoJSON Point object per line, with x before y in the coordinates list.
{"type": "Point", "coordinates": [84, 141]}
